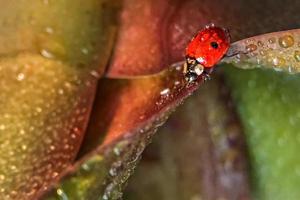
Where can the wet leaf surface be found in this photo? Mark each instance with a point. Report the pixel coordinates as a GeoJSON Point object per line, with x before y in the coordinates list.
{"type": "Point", "coordinates": [279, 50]}
{"type": "Point", "coordinates": [268, 103]}
{"type": "Point", "coordinates": [51, 58]}
{"type": "Point", "coordinates": [126, 104]}
{"type": "Point", "coordinates": [123, 123]}
{"type": "Point", "coordinates": [198, 154]}
{"type": "Point", "coordinates": [154, 34]}
{"type": "Point", "coordinates": [49, 55]}
{"type": "Point", "coordinates": [102, 174]}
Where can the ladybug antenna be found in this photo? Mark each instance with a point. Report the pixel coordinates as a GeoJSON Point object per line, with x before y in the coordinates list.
{"type": "Point", "coordinates": [227, 34]}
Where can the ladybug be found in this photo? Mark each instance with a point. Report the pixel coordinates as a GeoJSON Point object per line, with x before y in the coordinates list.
{"type": "Point", "coordinates": [204, 51]}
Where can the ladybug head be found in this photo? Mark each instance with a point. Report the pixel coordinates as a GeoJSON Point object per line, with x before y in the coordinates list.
{"type": "Point", "coordinates": [209, 46]}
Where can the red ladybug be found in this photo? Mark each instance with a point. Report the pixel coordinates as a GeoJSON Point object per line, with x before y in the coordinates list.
{"type": "Point", "coordinates": [205, 50]}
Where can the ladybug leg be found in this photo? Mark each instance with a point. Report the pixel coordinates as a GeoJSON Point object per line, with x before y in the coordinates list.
{"type": "Point", "coordinates": [185, 68]}
{"type": "Point", "coordinates": [207, 72]}
{"type": "Point", "coordinates": [192, 69]}
{"type": "Point", "coordinates": [206, 76]}
{"type": "Point", "coordinates": [190, 77]}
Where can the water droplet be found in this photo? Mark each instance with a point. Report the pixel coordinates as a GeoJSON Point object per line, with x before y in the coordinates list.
{"type": "Point", "coordinates": [62, 194]}
{"type": "Point", "coordinates": [262, 52]}
{"type": "Point", "coordinates": [20, 76]}
{"type": "Point", "coordinates": [251, 47]}
{"type": "Point", "coordinates": [259, 62]}
{"type": "Point", "coordinates": [260, 43]}
{"type": "Point", "coordinates": [176, 82]}
{"type": "Point", "coordinates": [292, 70]}
{"type": "Point", "coordinates": [105, 197]}
{"type": "Point", "coordinates": [22, 132]}
{"type": "Point", "coordinates": [55, 174]}
{"type": "Point", "coordinates": [272, 40]}
{"type": "Point", "coordinates": [2, 177]}
{"type": "Point", "coordinates": [241, 56]}
{"type": "Point", "coordinates": [165, 92]}
{"type": "Point", "coordinates": [24, 147]}
{"type": "Point", "coordinates": [38, 109]}
{"type": "Point", "coordinates": [73, 136]}
{"type": "Point", "coordinates": [85, 51]}
{"type": "Point", "coordinates": [141, 117]}
{"type": "Point", "coordinates": [60, 91]}
{"type": "Point", "coordinates": [278, 61]}
{"type": "Point", "coordinates": [112, 172]}
{"type": "Point", "coordinates": [49, 30]}
{"type": "Point", "coordinates": [95, 74]}
{"type": "Point", "coordinates": [2, 126]}
{"type": "Point", "coordinates": [46, 53]}
{"type": "Point", "coordinates": [248, 41]}
{"type": "Point", "coordinates": [85, 167]}
{"type": "Point", "coordinates": [178, 68]}
{"type": "Point", "coordinates": [286, 41]}
{"type": "Point", "coordinates": [66, 146]}
{"type": "Point", "coordinates": [297, 56]}
{"type": "Point", "coordinates": [117, 151]}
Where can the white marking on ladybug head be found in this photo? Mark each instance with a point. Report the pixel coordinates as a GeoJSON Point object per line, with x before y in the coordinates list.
{"type": "Point", "coordinates": [200, 59]}
{"type": "Point", "coordinates": [198, 69]}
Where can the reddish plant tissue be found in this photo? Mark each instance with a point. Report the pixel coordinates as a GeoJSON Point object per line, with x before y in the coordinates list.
{"type": "Point", "coordinates": [154, 33]}
{"type": "Point", "coordinates": [125, 104]}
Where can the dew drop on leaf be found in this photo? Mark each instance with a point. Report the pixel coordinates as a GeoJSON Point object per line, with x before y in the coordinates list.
{"type": "Point", "coordinates": [251, 47]}
{"type": "Point", "coordinates": [297, 55]}
{"type": "Point", "coordinates": [286, 41]}
{"type": "Point", "coordinates": [278, 61]}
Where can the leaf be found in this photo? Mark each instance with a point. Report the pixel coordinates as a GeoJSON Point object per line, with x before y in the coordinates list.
{"type": "Point", "coordinates": [125, 117]}
{"type": "Point", "coordinates": [153, 34]}
{"type": "Point", "coordinates": [61, 41]}
{"type": "Point", "coordinates": [268, 103]}
{"type": "Point", "coordinates": [279, 50]}
{"type": "Point", "coordinates": [198, 154]}
{"type": "Point", "coordinates": [48, 53]}
{"type": "Point", "coordinates": [134, 57]}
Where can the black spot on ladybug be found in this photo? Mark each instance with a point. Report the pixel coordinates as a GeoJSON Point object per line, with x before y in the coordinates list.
{"type": "Point", "coordinates": [214, 45]}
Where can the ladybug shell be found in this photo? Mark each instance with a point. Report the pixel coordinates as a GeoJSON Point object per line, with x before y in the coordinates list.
{"type": "Point", "coordinates": [209, 46]}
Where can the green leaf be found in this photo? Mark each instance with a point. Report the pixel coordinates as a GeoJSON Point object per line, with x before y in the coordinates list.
{"type": "Point", "coordinates": [50, 53]}
{"type": "Point", "coordinates": [268, 103]}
